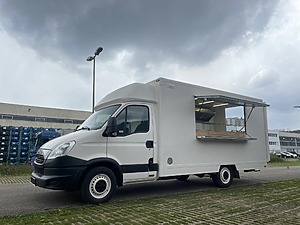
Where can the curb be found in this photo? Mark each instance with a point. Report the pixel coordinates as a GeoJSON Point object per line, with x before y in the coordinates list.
{"type": "Point", "coordinates": [14, 179]}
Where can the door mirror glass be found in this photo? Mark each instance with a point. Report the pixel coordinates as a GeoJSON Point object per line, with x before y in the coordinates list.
{"type": "Point", "coordinates": [111, 129]}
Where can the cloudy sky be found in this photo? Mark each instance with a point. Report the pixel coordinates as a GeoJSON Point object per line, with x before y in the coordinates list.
{"type": "Point", "coordinates": [249, 47]}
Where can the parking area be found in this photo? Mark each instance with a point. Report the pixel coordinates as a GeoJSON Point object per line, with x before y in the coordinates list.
{"type": "Point", "coordinates": [19, 196]}
{"type": "Point", "coordinates": [264, 203]}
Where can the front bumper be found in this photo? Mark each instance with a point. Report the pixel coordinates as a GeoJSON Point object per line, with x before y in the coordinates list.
{"type": "Point", "coordinates": [57, 178]}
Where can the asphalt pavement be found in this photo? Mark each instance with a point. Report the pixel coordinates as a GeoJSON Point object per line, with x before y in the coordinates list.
{"type": "Point", "coordinates": [20, 196]}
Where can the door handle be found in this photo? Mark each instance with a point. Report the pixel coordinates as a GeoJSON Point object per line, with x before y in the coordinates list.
{"type": "Point", "coordinates": [149, 144]}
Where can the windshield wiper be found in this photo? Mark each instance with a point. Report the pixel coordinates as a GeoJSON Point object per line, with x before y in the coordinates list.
{"type": "Point", "coordinates": [83, 128]}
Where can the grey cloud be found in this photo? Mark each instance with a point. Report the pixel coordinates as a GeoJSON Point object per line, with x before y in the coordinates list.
{"type": "Point", "coordinates": [265, 79]}
{"type": "Point", "coordinates": [247, 45]}
{"type": "Point", "coordinates": [191, 32]}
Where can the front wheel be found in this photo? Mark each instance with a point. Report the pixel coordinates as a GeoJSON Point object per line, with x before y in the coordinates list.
{"type": "Point", "coordinates": [98, 185]}
{"type": "Point", "coordinates": [223, 178]}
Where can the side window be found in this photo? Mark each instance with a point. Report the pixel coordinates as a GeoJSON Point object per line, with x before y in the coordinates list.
{"type": "Point", "coordinates": [121, 123]}
{"type": "Point", "coordinates": [138, 118]}
{"type": "Point", "coordinates": [133, 119]}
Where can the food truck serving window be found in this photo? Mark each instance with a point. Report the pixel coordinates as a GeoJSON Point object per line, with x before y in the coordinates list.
{"type": "Point", "coordinates": [222, 117]}
{"type": "Point", "coordinates": [213, 100]}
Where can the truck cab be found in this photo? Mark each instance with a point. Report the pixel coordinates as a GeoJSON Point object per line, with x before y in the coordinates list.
{"type": "Point", "coordinates": [114, 146]}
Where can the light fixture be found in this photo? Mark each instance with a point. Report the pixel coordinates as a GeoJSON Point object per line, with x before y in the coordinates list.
{"type": "Point", "coordinates": [90, 58]}
{"type": "Point", "coordinates": [219, 105]}
{"type": "Point", "coordinates": [206, 102]}
{"type": "Point", "coordinates": [98, 51]}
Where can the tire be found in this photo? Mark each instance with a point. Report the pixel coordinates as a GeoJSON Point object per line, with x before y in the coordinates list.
{"type": "Point", "coordinates": [182, 177]}
{"type": "Point", "coordinates": [223, 178]}
{"type": "Point", "coordinates": [98, 186]}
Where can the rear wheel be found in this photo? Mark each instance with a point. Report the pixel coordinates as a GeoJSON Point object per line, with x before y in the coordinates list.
{"type": "Point", "coordinates": [223, 178]}
{"type": "Point", "coordinates": [98, 185]}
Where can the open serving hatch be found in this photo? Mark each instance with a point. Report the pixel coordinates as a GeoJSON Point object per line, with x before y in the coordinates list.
{"type": "Point", "coordinates": [223, 118]}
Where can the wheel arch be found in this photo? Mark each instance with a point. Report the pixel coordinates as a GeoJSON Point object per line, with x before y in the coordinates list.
{"type": "Point", "coordinates": [234, 171]}
{"type": "Point", "coordinates": [104, 162]}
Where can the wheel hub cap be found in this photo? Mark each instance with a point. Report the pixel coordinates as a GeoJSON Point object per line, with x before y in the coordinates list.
{"type": "Point", "coordinates": [100, 186]}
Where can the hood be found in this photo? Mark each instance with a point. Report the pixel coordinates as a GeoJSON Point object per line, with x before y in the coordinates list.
{"type": "Point", "coordinates": [76, 136]}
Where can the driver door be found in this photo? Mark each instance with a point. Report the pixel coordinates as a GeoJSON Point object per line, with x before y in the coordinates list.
{"type": "Point", "coordinates": [133, 146]}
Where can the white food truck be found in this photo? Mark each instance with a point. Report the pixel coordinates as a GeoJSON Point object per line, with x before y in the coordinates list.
{"type": "Point", "coordinates": [163, 129]}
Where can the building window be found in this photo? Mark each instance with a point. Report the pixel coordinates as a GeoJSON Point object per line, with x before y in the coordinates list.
{"type": "Point", "coordinates": [68, 121]}
{"type": "Point", "coordinates": [39, 119]}
{"type": "Point", "coordinates": [7, 117]}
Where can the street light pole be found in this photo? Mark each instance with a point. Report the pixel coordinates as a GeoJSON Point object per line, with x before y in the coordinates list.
{"type": "Point", "coordinates": [93, 58]}
{"type": "Point", "coordinates": [94, 81]}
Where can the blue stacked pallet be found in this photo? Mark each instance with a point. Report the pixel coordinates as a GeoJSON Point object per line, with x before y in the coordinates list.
{"type": "Point", "coordinates": [33, 143]}
{"type": "Point", "coordinates": [4, 143]}
{"type": "Point", "coordinates": [36, 130]}
{"type": "Point", "coordinates": [13, 155]}
{"type": "Point", "coordinates": [25, 142]}
{"type": "Point", "coordinates": [43, 136]}
{"type": "Point", "coordinates": [18, 145]}
{"type": "Point", "coordinates": [36, 142]}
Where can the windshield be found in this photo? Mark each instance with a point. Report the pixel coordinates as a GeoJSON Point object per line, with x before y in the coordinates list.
{"type": "Point", "coordinates": [98, 119]}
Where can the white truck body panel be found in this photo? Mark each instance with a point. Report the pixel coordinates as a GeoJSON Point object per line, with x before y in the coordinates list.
{"type": "Point", "coordinates": [174, 130]}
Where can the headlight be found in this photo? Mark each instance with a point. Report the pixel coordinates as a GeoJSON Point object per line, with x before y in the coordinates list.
{"type": "Point", "coordinates": [61, 150]}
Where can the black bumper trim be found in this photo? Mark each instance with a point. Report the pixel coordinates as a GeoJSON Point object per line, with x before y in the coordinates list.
{"type": "Point", "coordinates": [58, 178]}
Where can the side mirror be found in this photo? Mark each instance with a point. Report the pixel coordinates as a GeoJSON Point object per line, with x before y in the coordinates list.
{"type": "Point", "coordinates": [111, 129]}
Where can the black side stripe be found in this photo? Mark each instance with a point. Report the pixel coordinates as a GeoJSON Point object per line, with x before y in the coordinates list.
{"type": "Point", "coordinates": [135, 168]}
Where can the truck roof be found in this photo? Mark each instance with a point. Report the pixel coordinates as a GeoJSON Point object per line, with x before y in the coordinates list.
{"type": "Point", "coordinates": [148, 93]}
{"type": "Point", "coordinates": [133, 92]}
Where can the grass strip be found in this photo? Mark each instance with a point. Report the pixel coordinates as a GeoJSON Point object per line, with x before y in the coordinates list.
{"type": "Point", "coordinates": [271, 203]}
{"type": "Point", "coordinates": [15, 170]}
{"type": "Point", "coordinates": [285, 163]}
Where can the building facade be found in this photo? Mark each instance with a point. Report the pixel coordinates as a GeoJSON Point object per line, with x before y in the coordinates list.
{"type": "Point", "coordinates": [33, 116]}
{"type": "Point", "coordinates": [280, 141]}
{"type": "Point", "coordinates": [20, 124]}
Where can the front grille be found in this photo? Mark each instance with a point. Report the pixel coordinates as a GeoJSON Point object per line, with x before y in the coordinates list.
{"type": "Point", "coordinates": [39, 158]}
